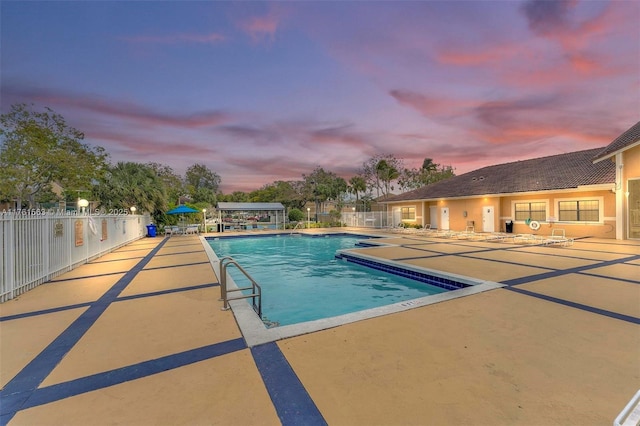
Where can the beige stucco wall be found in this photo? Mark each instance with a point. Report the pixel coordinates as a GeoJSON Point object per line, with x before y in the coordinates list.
{"type": "Point", "coordinates": [605, 229]}
{"type": "Point", "coordinates": [630, 171]}
{"type": "Point", "coordinates": [631, 159]}
{"type": "Point", "coordinates": [503, 206]}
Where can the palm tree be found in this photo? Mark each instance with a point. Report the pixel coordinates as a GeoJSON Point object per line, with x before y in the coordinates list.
{"type": "Point", "coordinates": [131, 184]}
{"type": "Point", "coordinates": [357, 184]}
{"type": "Point", "coordinates": [386, 173]}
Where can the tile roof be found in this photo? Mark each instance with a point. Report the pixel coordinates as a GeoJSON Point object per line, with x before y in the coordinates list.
{"type": "Point", "coordinates": [629, 137]}
{"type": "Point", "coordinates": [562, 171]}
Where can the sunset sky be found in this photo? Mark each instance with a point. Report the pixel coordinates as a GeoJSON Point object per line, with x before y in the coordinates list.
{"type": "Point", "coordinates": [266, 91]}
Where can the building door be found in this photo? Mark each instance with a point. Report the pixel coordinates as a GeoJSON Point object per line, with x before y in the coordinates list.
{"type": "Point", "coordinates": [433, 216]}
{"type": "Point", "coordinates": [488, 219]}
{"type": "Point", "coordinates": [444, 218]}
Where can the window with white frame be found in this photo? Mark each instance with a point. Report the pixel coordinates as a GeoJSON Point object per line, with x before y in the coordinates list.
{"type": "Point", "coordinates": [579, 211]}
{"type": "Point", "coordinates": [533, 210]}
{"type": "Point", "coordinates": [408, 213]}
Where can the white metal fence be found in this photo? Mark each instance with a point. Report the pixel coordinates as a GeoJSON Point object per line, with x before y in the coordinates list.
{"type": "Point", "coordinates": [38, 245]}
{"type": "Point", "coordinates": [377, 219]}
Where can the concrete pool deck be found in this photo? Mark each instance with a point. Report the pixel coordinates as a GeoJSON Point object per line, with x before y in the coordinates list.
{"type": "Point", "coordinates": [137, 337]}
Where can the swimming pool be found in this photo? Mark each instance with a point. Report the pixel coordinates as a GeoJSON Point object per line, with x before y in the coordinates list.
{"type": "Point", "coordinates": [255, 332]}
{"type": "Point", "coordinates": [302, 279]}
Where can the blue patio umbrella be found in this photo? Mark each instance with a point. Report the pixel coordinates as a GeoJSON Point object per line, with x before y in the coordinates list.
{"type": "Point", "coordinates": [182, 210]}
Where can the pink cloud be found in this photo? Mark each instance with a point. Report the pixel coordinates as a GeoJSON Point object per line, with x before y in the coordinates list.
{"type": "Point", "coordinates": [121, 110]}
{"type": "Point", "coordinates": [260, 27]}
{"type": "Point", "coordinates": [474, 56]}
{"type": "Point", "coordinates": [211, 38]}
{"type": "Point", "coordinates": [429, 106]}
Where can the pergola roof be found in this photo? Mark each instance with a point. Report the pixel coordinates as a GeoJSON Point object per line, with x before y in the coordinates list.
{"type": "Point", "coordinates": [250, 206]}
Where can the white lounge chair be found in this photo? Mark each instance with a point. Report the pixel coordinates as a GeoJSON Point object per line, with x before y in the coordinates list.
{"type": "Point", "coordinates": [527, 239]}
{"type": "Point", "coordinates": [558, 237]}
{"type": "Point", "coordinates": [171, 230]}
{"type": "Point", "coordinates": [468, 233]}
{"type": "Point", "coordinates": [191, 229]}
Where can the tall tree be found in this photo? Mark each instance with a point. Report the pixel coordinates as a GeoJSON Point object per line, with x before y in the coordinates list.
{"type": "Point", "coordinates": [380, 167]}
{"type": "Point", "coordinates": [429, 173]}
{"type": "Point", "coordinates": [132, 184]}
{"type": "Point", "coordinates": [322, 186]}
{"type": "Point", "coordinates": [386, 173]}
{"type": "Point", "coordinates": [357, 185]}
{"type": "Point", "coordinates": [202, 183]}
{"type": "Point", "coordinates": [39, 149]}
{"type": "Point", "coordinates": [172, 182]}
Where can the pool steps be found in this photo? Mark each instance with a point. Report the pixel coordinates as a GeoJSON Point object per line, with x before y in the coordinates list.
{"type": "Point", "coordinates": [442, 282]}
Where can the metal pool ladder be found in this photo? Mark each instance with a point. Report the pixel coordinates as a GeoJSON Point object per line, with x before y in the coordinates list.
{"type": "Point", "coordinates": [256, 290]}
{"type": "Point", "coordinates": [295, 227]}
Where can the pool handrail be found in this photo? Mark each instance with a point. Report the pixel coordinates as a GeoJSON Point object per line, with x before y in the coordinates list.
{"type": "Point", "coordinates": [256, 290]}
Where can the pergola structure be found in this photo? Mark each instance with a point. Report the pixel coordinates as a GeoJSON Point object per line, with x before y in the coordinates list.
{"type": "Point", "coordinates": [275, 210]}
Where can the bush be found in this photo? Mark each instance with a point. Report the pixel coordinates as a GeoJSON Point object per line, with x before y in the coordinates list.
{"type": "Point", "coordinates": [296, 215]}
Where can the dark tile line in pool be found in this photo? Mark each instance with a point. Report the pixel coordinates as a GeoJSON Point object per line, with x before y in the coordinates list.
{"type": "Point", "coordinates": [446, 283]}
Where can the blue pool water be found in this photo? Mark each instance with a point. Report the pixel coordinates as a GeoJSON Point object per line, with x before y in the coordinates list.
{"type": "Point", "coordinates": [302, 280]}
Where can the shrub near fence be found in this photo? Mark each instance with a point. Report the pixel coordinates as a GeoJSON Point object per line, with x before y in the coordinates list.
{"type": "Point", "coordinates": [38, 245]}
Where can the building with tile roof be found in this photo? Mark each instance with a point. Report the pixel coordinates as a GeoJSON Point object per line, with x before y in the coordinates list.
{"type": "Point", "coordinates": [587, 193]}
{"type": "Point", "coordinates": [624, 152]}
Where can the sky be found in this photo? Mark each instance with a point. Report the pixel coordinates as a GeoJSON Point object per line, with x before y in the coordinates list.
{"type": "Point", "coordinates": [261, 91]}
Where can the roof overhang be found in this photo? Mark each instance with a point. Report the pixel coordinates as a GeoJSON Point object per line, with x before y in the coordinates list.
{"type": "Point", "coordinates": [227, 206]}
{"type": "Point", "coordinates": [614, 153]}
{"type": "Point", "coordinates": [583, 188]}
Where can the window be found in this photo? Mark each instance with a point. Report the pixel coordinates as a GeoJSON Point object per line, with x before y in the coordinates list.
{"type": "Point", "coordinates": [579, 211]}
{"type": "Point", "coordinates": [531, 210]}
{"type": "Point", "coordinates": [408, 213]}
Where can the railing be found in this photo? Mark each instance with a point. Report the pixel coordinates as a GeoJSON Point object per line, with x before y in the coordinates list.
{"type": "Point", "coordinates": [38, 245]}
{"type": "Point", "coordinates": [256, 290]}
{"type": "Point", "coordinates": [377, 219]}
{"type": "Point", "coordinates": [296, 227]}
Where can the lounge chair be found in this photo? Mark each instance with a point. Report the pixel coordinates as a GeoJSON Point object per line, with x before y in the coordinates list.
{"type": "Point", "coordinates": [497, 236]}
{"type": "Point", "coordinates": [445, 233]}
{"type": "Point", "coordinates": [558, 237]}
{"type": "Point", "coordinates": [467, 234]}
{"type": "Point", "coordinates": [527, 239]}
{"type": "Point", "coordinates": [191, 229]}
{"type": "Point", "coordinates": [171, 230]}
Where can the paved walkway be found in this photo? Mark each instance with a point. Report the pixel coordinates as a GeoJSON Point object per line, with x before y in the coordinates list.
{"type": "Point", "coordinates": [137, 337]}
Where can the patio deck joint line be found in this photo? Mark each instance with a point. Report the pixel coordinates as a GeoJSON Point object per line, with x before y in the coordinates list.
{"type": "Point", "coordinates": [45, 311]}
{"type": "Point", "coordinates": [131, 372]}
{"type": "Point", "coordinates": [53, 281]}
{"type": "Point", "coordinates": [560, 272]}
{"type": "Point", "coordinates": [21, 387]}
{"type": "Point", "coordinates": [182, 252]}
{"type": "Point", "coordinates": [289, 396]}
{"type": "Point", "coordinates": [114, 260]}
{"type": "Point", "coordinates": [609, 277]}
{"type": "Point", "coordinates": [176, 266]}
{"type": "Point", "coordinates": [168, 291]}
{"type": "Point", "coordinates": [580, 306]}
{"type": "Point", "coordinates": [119, 299]}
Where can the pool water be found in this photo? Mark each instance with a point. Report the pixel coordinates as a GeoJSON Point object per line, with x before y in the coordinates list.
{"type": "Point", "coordinates": [302, 280]}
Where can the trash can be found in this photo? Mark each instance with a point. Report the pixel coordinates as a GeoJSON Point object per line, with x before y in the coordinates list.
{"type": "Point", "coordinates": [151, 230]}
{"type": "Point", "coordinates": [508, 226]}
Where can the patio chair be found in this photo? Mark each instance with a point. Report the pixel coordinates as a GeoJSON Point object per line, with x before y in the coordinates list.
{"type": "Point", "coordinates": [171, 230]}
{"type": "Point", "coordinates": [468, 233]}
{"type": "Point", "coordinates": [191, 229]}
{"type": "Point", "coordinates": [497, 236]}
{"type": "Point", "coordinates": [558, 237]}
{"type": "Point", "coordinates": [527, 239]}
